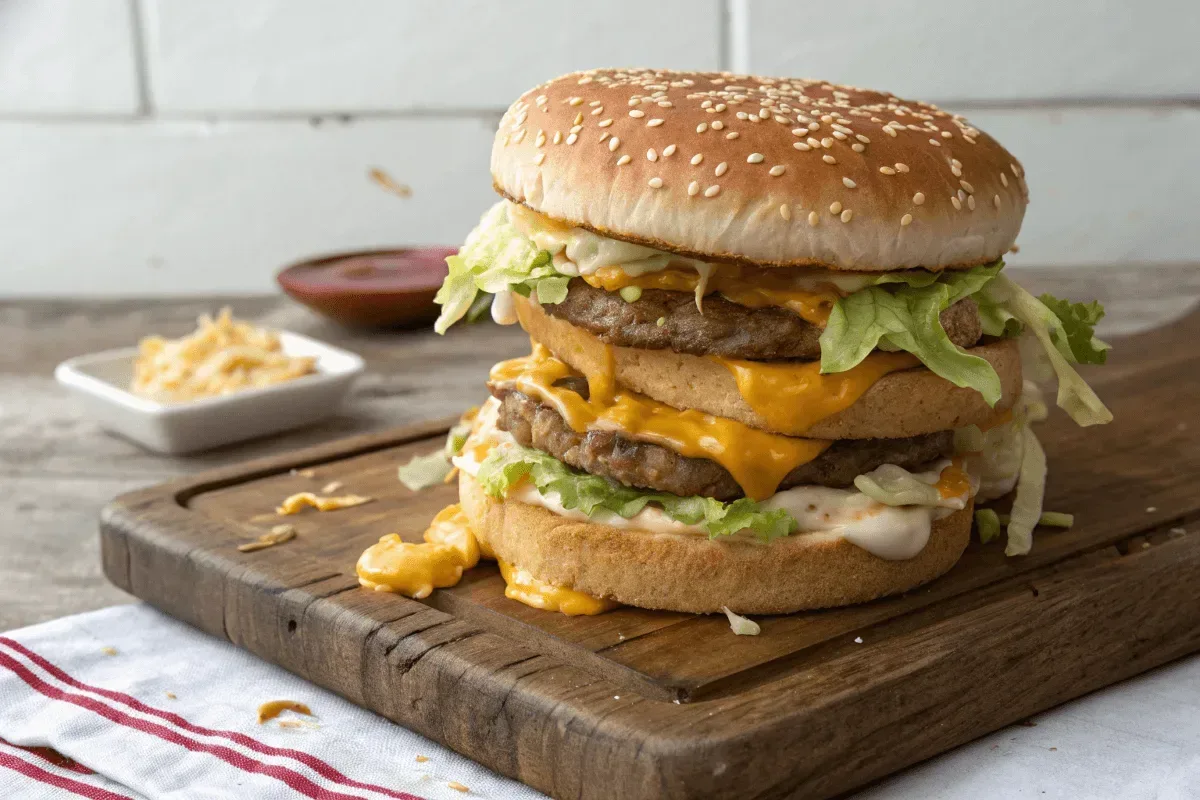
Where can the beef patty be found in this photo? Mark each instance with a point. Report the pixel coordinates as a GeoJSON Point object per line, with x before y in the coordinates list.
{"type": "Point", "coordinates": [724, 329]}
{"type": "Point", "coordinates": [651, 466]}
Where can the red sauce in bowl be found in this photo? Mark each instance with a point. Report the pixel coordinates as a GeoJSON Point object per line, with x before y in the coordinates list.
{"type": "Point", "coordinates": [381, 288]}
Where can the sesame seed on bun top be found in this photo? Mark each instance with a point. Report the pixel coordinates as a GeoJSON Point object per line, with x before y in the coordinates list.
{"type": "Point", "coordinates": [772, 171]}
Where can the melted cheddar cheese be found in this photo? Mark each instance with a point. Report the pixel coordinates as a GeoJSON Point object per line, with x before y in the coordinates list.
{"type": "Point", "coordinates": [415, 570]}
{"type": "Point", "coordinates": [756, 459]}
{"type": "Point", "coordinates": [746, 286]}
{"type": "Point", "coordinates": [794, 396]}
{"type": "Point", "coordinates": [954, 481]}
{"type": "Point", "coordinates": [524, 588]}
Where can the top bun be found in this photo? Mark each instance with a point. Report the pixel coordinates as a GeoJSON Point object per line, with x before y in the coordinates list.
{"type": "Point", "coordinates": [772, 171]}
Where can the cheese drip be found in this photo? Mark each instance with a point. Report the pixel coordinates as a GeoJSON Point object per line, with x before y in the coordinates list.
{"type": "Point", "coordinates": [415, 570]}
{"type": "Point", "coordinates": [745, 286]}
{"type": "Point", "coordinates": [794, 396]}
{"type": "Point", "coordinates": [524, 588]}
{"type": "Point", "coordinates": [756, 459]}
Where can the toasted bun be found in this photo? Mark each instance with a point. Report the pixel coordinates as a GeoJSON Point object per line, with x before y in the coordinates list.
{"type": "Point", "coordinates": [835, 176]}
{"type": "Point", "coordinates": [906, 403]}
{"type": "Point", "coordinates": [682, 572]}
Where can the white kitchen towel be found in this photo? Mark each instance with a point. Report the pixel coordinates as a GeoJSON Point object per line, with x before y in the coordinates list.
{"type": "Point", "coordinates": [143, 706]}
{"type": "Point", "coordinates": [128, 703]}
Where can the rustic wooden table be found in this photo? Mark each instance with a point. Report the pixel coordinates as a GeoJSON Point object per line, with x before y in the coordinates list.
{"type": "Point", "coordinates": [58, 468]}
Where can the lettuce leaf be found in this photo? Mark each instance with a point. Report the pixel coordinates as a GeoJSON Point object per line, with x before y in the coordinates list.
{"type": "Point", "coordinates": [505, 468]}
{"type": "Point", "coordinates": [907, 318]}
{"type": "Point", "coordinates": [496, 258]}
{"type": "Point", "coordinates": [1063, 330]}
{"type": "Point", "coordinates": [421, 472]}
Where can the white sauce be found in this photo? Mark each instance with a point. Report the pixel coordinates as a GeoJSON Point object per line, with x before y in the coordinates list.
{"type": "Point", "coordinates": [503, 310]}
{"type": "Point", "coordinates": [890, 533]}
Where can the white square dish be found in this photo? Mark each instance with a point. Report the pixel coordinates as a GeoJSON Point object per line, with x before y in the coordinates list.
{"type": "Point", "coordinates": [100, 380]}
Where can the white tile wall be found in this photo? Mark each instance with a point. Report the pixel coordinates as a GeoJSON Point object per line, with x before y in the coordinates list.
{"type": "Point", "coordinates": [312, 55]}
{"type": "Point", "coordinates": [980, 49]}
{"type": "Point", "coordinates": [168, 208]}
{"type": "Point", "coordinates": [222, 178]}
{"type": "Point", "coordinates": [67, 56]}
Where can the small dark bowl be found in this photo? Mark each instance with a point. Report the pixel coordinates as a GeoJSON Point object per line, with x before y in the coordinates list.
{"type": "Point", "coordinates": [370, 288]}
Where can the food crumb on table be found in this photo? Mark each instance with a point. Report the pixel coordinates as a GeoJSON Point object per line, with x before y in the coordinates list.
{"type": "Point", "coordinates": [422, 759]}
{"type": "Point", "coordinates": [458, 787]}
{"type": "Point", "coordinates": [108, 651]}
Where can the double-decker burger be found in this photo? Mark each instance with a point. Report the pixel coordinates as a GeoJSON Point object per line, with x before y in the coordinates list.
{"type": "Point", "coordinates": [775, 359]}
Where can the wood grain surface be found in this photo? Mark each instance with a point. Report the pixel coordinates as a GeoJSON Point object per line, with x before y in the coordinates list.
{"type": "Point", "coordinates": [641, 704]}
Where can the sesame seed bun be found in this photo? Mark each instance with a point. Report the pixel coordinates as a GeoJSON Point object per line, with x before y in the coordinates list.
{"type": "Point", "coordinates": [772, 171]}
{"type": "Point", "coordinates": [910, 402]}
{"type": "Point", "coordinates": [690, 573]}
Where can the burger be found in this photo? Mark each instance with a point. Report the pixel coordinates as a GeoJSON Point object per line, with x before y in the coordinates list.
{"type": "Point", "coordinates": [775, 358]}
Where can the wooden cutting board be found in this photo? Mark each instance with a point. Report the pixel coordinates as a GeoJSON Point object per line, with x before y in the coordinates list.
{"type": "Point", "coordinates": [642, 704]}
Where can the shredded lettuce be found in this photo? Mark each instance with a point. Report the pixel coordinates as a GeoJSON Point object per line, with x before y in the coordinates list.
{"type": "Point", "coordinates": [895, 486]}
{"type": "Point", "coordinates": [1063, 330]}
{"type": "Point", "coordinates": [421, 472]}
{"type": "Point", "coordinates": [742, 626]}
{"type": "Point", "coordinates": [908, 318]}
{"type": "Point", "coordinates": [506, 467]}
{"type": "Point", "coordinates": [1027, 503]}
{"type": "Point", "coordinates": [496, 258]}
{"type": "Point", "coordinates": [988, 523]}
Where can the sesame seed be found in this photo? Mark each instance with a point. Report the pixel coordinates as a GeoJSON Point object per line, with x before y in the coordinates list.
{"type": "Point", "coordinates": [720, 106]}
{"type": "Point", "coordinates": [604, 123]}
{"type": "Point", "coordinates": [828, 159]}
{"type": "Point", "coordinates": [702, 127]}
{"type": "Point", "coordinates": [754, 158]}
{"type": "Point", "coordinates": [693, 189]}
{"type": "Point", "coordinates": [785, 212]}
{"type": "Point", "coordinates": [579, 118]}
{"type": "Point", "coordinates": [669, 150]}
{"type": "Point", "coordinates": [623, 160]}
{"type": "Point", "coordinates": [901, 167]}
{"type": "Point", "coordinates": [637, 113]}
{"type": "Point", "coordinates": [717, 125]}
{"type": "Point", "coordinates": [946, 134]}
{"type": "Point", "coordinates": [954, 201]}
{"type": "Point", "coordinates": [741, 115]}
{"type": "Point", "coordinates": [572, 138]}
{"type": "Point", "coordinates": [799, 131]}
{"type": "Point", "coordinates": [576, 128]}
{"type": "Point", "coordinates": [539, 158]}
{"type": "Point", "coordinates": [996, 200]}
{"type": "Point", "coordinates": [557, 137]}
{"type": "Point", "coordinates": [858, 148]}
{"type": "Point", "coordinates": [651, 155]}
{"type": "Point", "coordinates": [826, 118]}
{"type": "Point", "coordinates": [763, 113]}
{"type": "Point", "coordinates": [813, 218]}
{"type": "Point", "coordinates": [614, 143]}
{"type": "Point", "coordinates": [918, 198]}
{"type": "Point", "coordinates": [971, 202]}
{"type": "Point", "coordinates": [575, 101]}
{"type": "Point", "coordinates": [540, 100]}
{"type": "Point", "coordinates": [887, 170]}
{"type": "Point", "coordinates": [1004, 179]}
{"type": "Point", "coordinates": [955, 170]}
{"type": "Point", "coordinates": [962, 195]}
{"type": "Point", "coordinates": [890, 132]}
{"type": "Point", "coordinates": [935, 143]}
{"type": "Point", "coordinates": [777, 170]}
{"type": "Point", "coordinates": [541, 139]}
{"type": "Point", "coordinates": [813, 126]}
{"type": "Point", "coordinates": [731, 135]}
{"type": "Point", "coordinates": [862, 138]}
{"type": "Point", "coordinates": [966, 186]}
{"type": "Point", "coordinates": [801, 146]}
{"type": "Point", "coordinates": [696, 159]}
{"type": "Point", "coordinates": [906, 220]}
{"type": "Point", "coordinates": [813, 142]}
{"type": "Point", "coordinates": [654, 123]}
{"type": "Point", "coordinates": [604, 135]}
{"type": "Point", "coordinates": [597, 110]}
{"type": "Point", "coordinates": [655, 182]}
{"type": "Point", "coordinates": [712, 191]}
{"type": "Point", "coordinates": [721, 168]}
{"type": "Point", "coordinates": [665, 104]}
{"type": "Point", "coordinates": [849, 184]}
{"type": "Point", "coordinates": [835, 207]}
{"type": "Point", "coordinates": [827, 143]}
{"type": "Point", "coordinates": [706, 104]}
{"type": "Point", "coordinates": [846, 215]}
{"type": "Point", "coordinates": [839, 136]}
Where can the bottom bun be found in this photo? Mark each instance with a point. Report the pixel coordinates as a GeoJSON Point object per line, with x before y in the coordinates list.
{"type": "Point", "coordinates": [683, 572]}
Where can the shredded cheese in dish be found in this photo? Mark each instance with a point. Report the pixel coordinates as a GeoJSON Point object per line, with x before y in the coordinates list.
{"type": "Point", "coordinates": [222, 356]}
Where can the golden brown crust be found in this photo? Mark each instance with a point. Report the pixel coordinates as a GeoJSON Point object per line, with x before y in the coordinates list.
{"type": "Point", "coordinates": [681, 572]}
{"type": "Point", "coordinates": [592, 149]}
{"type": "Point", "coordinates": [907, 403]}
